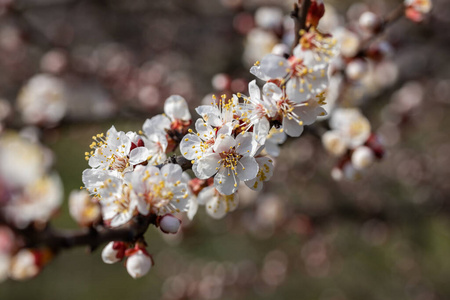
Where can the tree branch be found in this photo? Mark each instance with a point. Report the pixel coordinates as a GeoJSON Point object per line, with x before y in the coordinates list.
{"type": "Point", "coordinates": [299, 14]}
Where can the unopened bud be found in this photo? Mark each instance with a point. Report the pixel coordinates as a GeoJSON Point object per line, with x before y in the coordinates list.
{"type": "Point", "coordinates": [113, 252]}
{"type": "Point", "coordinates": [369, 21]}
{"type": "Point", "coordinates": [169, 224]}
{"type": "Point", "coordinates": [362, 157]}
{"type": "Point", "coordinates": [356, 69]}
{"type": "Point", "coordinates": [138, 264]}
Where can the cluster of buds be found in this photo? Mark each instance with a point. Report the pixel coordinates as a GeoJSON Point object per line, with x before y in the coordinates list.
{"type": "Point", "coordinates": [138, 262]}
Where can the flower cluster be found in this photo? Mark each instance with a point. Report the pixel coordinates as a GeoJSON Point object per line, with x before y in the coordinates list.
{"type": "Point", "coordinates": [30, 194]}
{"type": "Point", "coordinates": [125, 179]}
{"type": "Point", "coordinates": [352, 141]}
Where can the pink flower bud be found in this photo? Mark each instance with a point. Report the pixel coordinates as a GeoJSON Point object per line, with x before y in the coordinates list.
{"type": "Point", "coordinates": [138, 264]}
{"type": "Point", "coordinates": [169, 224]}
{"type": "Point", "coordinates": [113, 252]}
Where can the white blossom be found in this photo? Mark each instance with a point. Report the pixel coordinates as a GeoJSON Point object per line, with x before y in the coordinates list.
{"type": "Point", "coordinates": [43, 100]}
{"type": "Point", "coordinates": [304, 75]}
{"type": "Point", "coordinates": [175, 110]}
{"type": "Point", "coordinates": [114, 152]}
{"type": "Point", "coordinates": [83, 208]}
{"type": "Point", "coordinates": [230, 162]}
{"type": "Point", "coordinates": [160, 191]}
{"type": "Point", "coordinates": [37, 202]}
{"type": "Point", "coordinates": [352, 126]}
{"type": "Point", "coordinates": [217, 205]}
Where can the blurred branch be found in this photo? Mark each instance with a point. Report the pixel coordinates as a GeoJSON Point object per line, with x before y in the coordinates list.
{"type": "Point", "coordinates": [299, 14]}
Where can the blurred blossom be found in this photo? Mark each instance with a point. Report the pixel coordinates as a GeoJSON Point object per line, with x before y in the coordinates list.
{"type": "Point", "coordinates": [270, 211]}
{"type": "Point", "coordinates": [407, 98]}
{"type": "Point", "coordinates": [10, 38]}
{"type": "Point", "coordinates": [258, 44]}
{"type": "Point", "coordinates": [43, 100]}
{"type": "Point", "coordinates": [274, 268]}
{"type": "Point", "coordinates": [269, 17]}
{"type": "Point", "coordinates": [348, 42]}
{"type": "Point", "coordinates": [21, 162]}
{"type": "Point", "coordinates": [210, 287]}
{"type": "Point", "coordinates": [330, 19]}
{"type": "Point", "coordinates": [23, 265]}
{"type": "Point", "coordinates": [88, 100]}
{"type": "Point", "coordinates": [83, 208]}
{"type": "Point", "coordinates": [38, 203]}
{"type": "Point", "coordinates": [54, 61]}
{"type": "Point", "coordinates": [315, 256]}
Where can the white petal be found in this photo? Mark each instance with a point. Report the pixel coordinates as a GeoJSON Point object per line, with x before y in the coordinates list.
{"type": "Point", "coordinates": [247, 168]}
{"type": "Point", "coordinates": [296, 91]}
{"type": "Point", "coordinates": [244, 143]}
{"type": "Point", "coordinates": [190, 146]}
{"type": "Point", "coordinates": [205, 131]}
{"type": "Point", "coordinates": [208, 165]}
{"type": "Point", "coordinates": [206, 194]}
{"type": "Point", "coordinates": [173, 172]}
{"type": "Point", "coordinates": [225, 181]}
{"type": "Point", "coordinates": [193, 207]}
{"type": "Point", "coordinates": [255, 93]}
{"type": "Point", "coordinates": [176, 108]}
{"type": "Point", "coordinates": [224, 143]}
{"type": "Point", "coordinates": [138, 155]}
{"type": "Point", "coordinates": [271, 67]}
{"type": "Point", "coordinates": [272, 148]}
{"type": "Point", "coordinates": [291, 127]}
{"type": "Point", "coordinates": [216, 208]}
{"type": "Point", "coordinates": [157, 124]}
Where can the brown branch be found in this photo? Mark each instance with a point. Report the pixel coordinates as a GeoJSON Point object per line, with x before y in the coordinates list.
{"type": "Point", "coordinates": [299, 14]}
{"type": "Point", "coordinates": [92, 237]}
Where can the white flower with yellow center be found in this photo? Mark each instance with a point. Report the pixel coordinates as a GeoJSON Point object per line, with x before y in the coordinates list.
{"type": "Point", "coordinates": [36, 203]}
{"type": "Point", "coordinates": [43, 100]}
{"type": "Point", "coordinates": [293, 116]}
{"type": "Point", "coordinates": [258, 109]}
{"type": "Point", "coordinates": [162, 191]}
{"type": "Point", "coordinates": [351, 125]}
{"type": "Point", "coordinates": [221, 111]}
{"type": "Point", "coordinates": [305, 77]}
{"type": "Point", "coordinates": [217, 205]}
{"type": "Point", "coordinates": [115, 152]}
{"type": "Point", "coordinates": [231, 161]}
{"type": "Point", "coordinates": [119, 202]}
{"type": "Point", "coordinates": [175, 110]}
{"type": "Point", "coordinates": [195, 146]}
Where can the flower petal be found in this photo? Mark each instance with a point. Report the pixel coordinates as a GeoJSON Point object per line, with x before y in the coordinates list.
{"type": "Point", "coordinates": [176, 108]}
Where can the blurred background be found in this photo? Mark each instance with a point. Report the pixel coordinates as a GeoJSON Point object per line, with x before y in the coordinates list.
{"type": "Point", "coordinates": [305, 236]}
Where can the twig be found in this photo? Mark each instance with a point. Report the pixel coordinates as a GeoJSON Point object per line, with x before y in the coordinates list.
{"type": "Point", "coordinates": [299, 14]}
